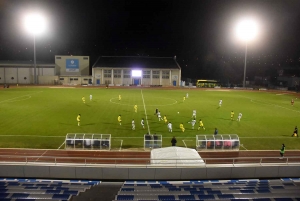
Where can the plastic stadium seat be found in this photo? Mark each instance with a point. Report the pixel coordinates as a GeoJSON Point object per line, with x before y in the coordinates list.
{"type": "Point", "coordinates": [227, 196]}
{"type": "Point", "coordinates": [125, 197]}
{"type": "Point", "coordinates": [166, 197]}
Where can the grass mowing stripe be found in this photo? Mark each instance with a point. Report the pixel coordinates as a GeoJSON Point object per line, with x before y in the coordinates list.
{"type": "Point", "coordinates": [145, 112]}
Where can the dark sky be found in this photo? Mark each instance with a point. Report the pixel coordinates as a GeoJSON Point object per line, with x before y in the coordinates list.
{"type": "Point", "coordinates": [198, 32]}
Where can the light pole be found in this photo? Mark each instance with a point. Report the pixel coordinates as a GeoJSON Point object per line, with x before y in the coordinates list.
{"type": "Point", "coordinates": [246, 30]}
{"type": "Point", "coordinates": [35, 24]}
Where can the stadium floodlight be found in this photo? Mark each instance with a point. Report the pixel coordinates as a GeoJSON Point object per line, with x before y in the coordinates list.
{"type": "Point", "coordinates": [246, 30]}
{"type": "Point", "coordinates": [35, 24]}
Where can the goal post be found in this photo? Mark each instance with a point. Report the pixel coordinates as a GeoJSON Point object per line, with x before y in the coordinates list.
{"type": "Point", "coordinates": [220, 142]}
{"type": "Point", "coordinates": [88, 141]}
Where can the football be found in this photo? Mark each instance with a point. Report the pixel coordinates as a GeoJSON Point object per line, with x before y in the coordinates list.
{"type": "Point", "coordinates": [178, 112]}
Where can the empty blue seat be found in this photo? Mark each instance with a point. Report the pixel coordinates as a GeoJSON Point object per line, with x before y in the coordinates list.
{"type": "Point", "coordinates": [61, 196]}
{"type": "Point", "coordinates": [125, 197]}
{"type": "Point", "coordinates": [127, 189]}
{"type": "Point", "coordinates": [263, 191]}
{"type": "Point", "coordinates": [226, 196]}
{"type": "Point", "coordinates": [206, 197]}
{"type": "Point", "coordinates": [247, 191]}
{"type": "Point", "coordinates": [19, 195]}
{"type": "Point", "coordinates": [186, 197]}
{"type": "Point", "coordinates": [197, 192]}
{"type": "Point", "coordinates": [4, 195]}
{"type": "Point", "coordinates": [166, 197]}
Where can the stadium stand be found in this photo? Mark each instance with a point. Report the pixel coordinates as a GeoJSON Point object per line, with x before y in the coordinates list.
{"type": "Point", "coordinates": [41, 189]}
{"type": "Point", "coordinates": [253, 189]}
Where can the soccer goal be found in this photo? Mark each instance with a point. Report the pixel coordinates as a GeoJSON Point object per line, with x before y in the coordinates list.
{"type": "Point", "coordinates": [152, 141]}
{"type": "Point", "coordinates": [218, 142]}
{"type": "Point", "coordinates": [89, 141]}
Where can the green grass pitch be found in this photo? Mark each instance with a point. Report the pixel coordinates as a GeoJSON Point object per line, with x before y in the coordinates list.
{"type": "Point", "coordinates": [40, 117]}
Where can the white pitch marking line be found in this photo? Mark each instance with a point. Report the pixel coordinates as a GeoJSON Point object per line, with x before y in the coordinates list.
{"type": "Point", "coordinates": [41, 155]}
{"type": "Point", "coordinates": [60, 145]}
{"type": "Point", "coordinates": [145, 111]}
{"type": "Point", "coordinates": [243, 147]}
{"type": "Point", "coordinates": [120, 144]}
{"type": "Point", "coordinates": [19, 97]}
{"type": "Point", "coordinates": [185, 143]}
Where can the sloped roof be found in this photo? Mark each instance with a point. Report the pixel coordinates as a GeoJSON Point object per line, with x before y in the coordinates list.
{"type": "Point", "coordinates": [176, 156]}
{"type": "Point", "coordinates": [16, 63]}
{"type": "Point", "coordinates": [136, 62]}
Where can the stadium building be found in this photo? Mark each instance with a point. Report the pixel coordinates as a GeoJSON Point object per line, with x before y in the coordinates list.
{"type": "Point", "coordinates": [145, 71]}
{"type": "Point", "coordinates": [107, 70]}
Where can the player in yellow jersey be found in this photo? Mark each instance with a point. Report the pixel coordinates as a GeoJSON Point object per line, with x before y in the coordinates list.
{"type": "Point", "coordinates": [231, 115]}
{"type": "Point", "coordinates": [119, 120]}
{"type": "Point", "coordinates": [120, 97]}
{"type": "Point", "coordinates": [165, 119]}
{"type": "Point", "coordinates": [201, 125]}
{"type": "Point", "coordinates": [135, 108]}
{"type": "Point", "coordinates": [83, 99]}
{"type": "Point", "coordinates": [78, 119]}
{"type": "Point", "coordinates": [181, 127]}
{"type": "Point", "coordinates": [183, 98]}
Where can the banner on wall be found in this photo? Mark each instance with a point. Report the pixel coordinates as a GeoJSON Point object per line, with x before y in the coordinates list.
{"type": "Point", "coordinates": [72, 65]}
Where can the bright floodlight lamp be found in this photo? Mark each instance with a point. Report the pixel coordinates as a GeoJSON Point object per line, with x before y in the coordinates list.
{"type": "Point", "coordinates": [246, 30]}
{"type": "Point", "coordinates": [35, 24]}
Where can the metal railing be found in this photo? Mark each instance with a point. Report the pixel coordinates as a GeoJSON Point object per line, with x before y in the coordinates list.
{"type": "Point", "coordinates": [147, 162]}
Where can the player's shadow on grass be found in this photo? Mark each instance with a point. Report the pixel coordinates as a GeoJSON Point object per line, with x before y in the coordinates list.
{"type": "Point", "coordinates": [225, 119]}
{"type": "Point", "coordinates": [88, 124]}
{"type": "Point", "coordinates": [67, 124]}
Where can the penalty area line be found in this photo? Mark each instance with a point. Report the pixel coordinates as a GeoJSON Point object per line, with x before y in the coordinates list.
{"type": "Point", "coordinates": [60, 145]}
{"type": "Point", "coordinates": [120, 149]}
{"type": "Point", "coordinates": [41, 155]}
{"type": "Point", "coordinates": [243, 147]}
{"type": "Point", "coordinates": [185, 143]}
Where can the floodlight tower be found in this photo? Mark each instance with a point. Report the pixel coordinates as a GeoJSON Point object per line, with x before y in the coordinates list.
{"type": "Point", "coordinates": [35, 24]}
{"type": "Point", "coordinates": [246, 30]}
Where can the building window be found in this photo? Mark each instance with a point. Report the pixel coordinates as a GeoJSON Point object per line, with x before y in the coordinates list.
{"type": "Point", "coordinates": [61, 78]}
{"type": "Point", "coordinates": [85, 58]}
{"type": "Point", "coordinates": [126, 73]}
{"type": "Point", "coordinates": [155, 74]}
{"type": "Point", "coordinates": [165, 74]}
{"type": "Point", "coordinates": [117, 73]}
{"type": "Point", "coordinates": [12, 78]}
{"type": "Point", "coordinates": [24, 78]}
{"type": "Point", "coordinates": [75, 78]}
{"type": "Point", "coordinates": [58, 57]}
{"type": "Point", "coordinates": [107, 73]}
{"type": "Point", "coordinates": [146, 73]}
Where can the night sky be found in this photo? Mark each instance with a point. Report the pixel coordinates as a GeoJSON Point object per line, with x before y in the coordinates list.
{"type": "Point", "coordinates": [198, 32]}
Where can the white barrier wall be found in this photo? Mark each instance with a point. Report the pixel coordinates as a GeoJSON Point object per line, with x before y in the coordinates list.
{"type": "Point", "coordinates": [23, 75]}
{"type": "Point", "coordinates": [125, 173]}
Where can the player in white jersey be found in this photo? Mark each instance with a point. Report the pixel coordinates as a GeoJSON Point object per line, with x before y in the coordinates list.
{"type": "Point", "coordinates": [159, 116]}
{"type": "Point", "coordinates": [91, 97]}
{"type": "Point", "coordinates": [194, 114]}
{"type": "Point", "coordinates": [193, 123]}
{"type": "Point", "coordinates": [187, 95]}
{"type": "Point", "coordinates": [220, 103]}
{"type": "Point", "coordinates": [133, 124]}
{"type": "Point", "coordinates": [170, 127]}
{"type": "Point", "coordinates": [142, 123]}
{"type": "Point", "coordinates": [239, 117]}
